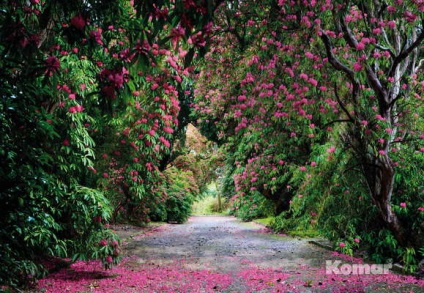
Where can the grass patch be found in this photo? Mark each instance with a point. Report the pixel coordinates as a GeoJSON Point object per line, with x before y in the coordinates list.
{"type": "Point", "coordinates": [265, 221]}
{"type": "Point", "coordinates": [207, 206]}
{"type": "Point", "coordinates": [303, 233]}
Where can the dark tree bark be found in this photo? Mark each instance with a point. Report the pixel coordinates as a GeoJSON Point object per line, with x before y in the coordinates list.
{"type": "Point", "coordinates": [379, 174]}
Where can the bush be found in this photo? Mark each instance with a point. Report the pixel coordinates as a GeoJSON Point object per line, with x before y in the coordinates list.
{"type": "Point", "coordinates": [178, 207]}
{"type": "Point", "coordinates": [72, 228]}
{"type": "Point", "coordinates": [252, 206]}
{"type": "Point", "coordinates": [179, 194]}
{"type": "Point", "coordinates": [334, 183]}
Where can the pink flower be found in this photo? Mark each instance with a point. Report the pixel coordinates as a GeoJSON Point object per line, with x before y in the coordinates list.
{"type": "Point", "coordinates": [79, 108]}
{"type": "Point", "coordinates": [402, 204]}
{"type": "Point", "coordinates": [357, 240]}
{"type": "Point", "coordinates": [78, 22]}
{"type": "Point", "coordinates": [409, 16]}
{"type": "Point", "coordinates": [109, 259]}
{"type": "Point", "coordinates": [309, 55]}
{"type": "Point", "coordinates": [52, 64]}
{"type": "Point", "coordinates": [303, 76]}
{"type": "Point", "coordinates": [421, 209]}
{"type": "Point", "coordinates": [241, 98]}
{"type": "Point", "coordinates": [342, 244]}
{"type": "Point", "coordinates": [331, 150]}
{"type": "Point", "coordinates": [360, 46]}
{"type": "Point", "coordinates": [103, 242]}
{"type": "Point", "coordinates": [313, 164]}
{"type": "Point", "coordinates": [313, 82]}
{"type": "Point", "coordinates": [382, 152]}
{"type": "Point", "coordinates": [96, 35]}
{"type": "Point", "coordinates": [391, 9]}
{"type": "Point", "coordinates": [376, 31]}
{"type": "Point", "coordinates": [391, 24]}
{"type": "Point", "coordinates": [168, 130]}
{"type": "Point", "coordinates": [65, 142]}
{"type": "Point", "coordinates": [379, 117]}
{"type": "Point", "coordinates": [357, 66]}
{"type": "Point", "coordinates": [165, 142]}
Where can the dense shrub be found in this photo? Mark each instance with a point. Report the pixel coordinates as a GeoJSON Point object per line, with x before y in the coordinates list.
{"type": "Point", "coordinates": [179, 194]}
{"type": "Point", "coordinates": [251, 206]}
{"type": "Point", "coordinates": [332, 199]}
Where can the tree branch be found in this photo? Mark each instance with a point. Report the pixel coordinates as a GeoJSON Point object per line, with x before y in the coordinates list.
{"type": "Point", "coordinates": [336, 121]}
{"type": "Point", "coordinates": [342, 104]}
{"type": "Point", "coordinates": [333, 60]}
{"type": "Point", "coordinates": [348, 36]}
{"type": "Point", "coordinates": [405, 53]}
{"type": "Point", "coordinates": [376, 84]}
{"type": "Point", "coordinates": [338, 65]}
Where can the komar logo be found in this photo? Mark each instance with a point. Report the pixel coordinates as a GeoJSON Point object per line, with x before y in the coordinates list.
{"type": "Point", "coordinates": [337, 268]}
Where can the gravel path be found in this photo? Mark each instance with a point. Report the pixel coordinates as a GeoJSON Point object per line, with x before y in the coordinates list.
{"type": "Point", "coordinates": [252, 258]}
{"type": "Point", "coordinates": [225, 244]}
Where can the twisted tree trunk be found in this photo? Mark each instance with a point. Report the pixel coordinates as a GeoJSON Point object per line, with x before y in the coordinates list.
{"type": "Point", "coordinates": [379, 174]}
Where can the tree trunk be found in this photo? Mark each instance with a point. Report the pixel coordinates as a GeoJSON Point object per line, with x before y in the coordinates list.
{"type": "Point", "coordinates": [379, 174]}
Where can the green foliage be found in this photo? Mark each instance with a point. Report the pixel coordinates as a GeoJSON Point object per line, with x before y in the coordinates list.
{"type": "Point", "coordinates": [215, 207]}
{"type": "Point", "coordinates": [89, 110]}
{"type": "Point", "coordinates": [209, 202]}
{"type": "Point", "coordinates": [251, 206]}
{"type": "Point", "coordinates": [181, 192]}
{"type": "Point", "coordinates": [203, 205]}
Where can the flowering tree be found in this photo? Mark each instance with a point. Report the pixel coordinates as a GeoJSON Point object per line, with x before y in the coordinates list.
{"type": "Point", "coordinates": [90, 91]}
{"type": "Point", "coordinates": [382, 71]}
{"type": "Point", "coordinates": [315, 81]}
